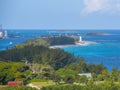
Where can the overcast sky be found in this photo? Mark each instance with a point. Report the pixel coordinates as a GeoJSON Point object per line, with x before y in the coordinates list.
{"type": "Point", "coordinates": [60, 14]}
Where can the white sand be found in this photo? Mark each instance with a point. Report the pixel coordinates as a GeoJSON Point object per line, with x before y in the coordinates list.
{"type": "Point", "coordinates": [82, 43]}
{"type": "Point", "coordinates": [60, 46]}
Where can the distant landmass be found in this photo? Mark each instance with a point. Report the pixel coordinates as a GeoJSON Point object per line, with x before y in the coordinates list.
{"type": "Point", "coordinates": [14, 36]}
{"type": "Point", "coordinates": [97, 33]}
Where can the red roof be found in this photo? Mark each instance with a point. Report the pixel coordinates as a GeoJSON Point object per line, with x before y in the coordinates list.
{"type": "Point", "coordinates": [15, 83]}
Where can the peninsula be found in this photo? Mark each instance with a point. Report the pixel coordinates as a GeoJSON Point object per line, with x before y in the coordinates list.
{"type": "Point", "coordinates": [77, 42]}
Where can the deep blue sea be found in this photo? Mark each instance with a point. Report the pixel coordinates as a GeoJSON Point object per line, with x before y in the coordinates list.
{"type": "Point", "coordinates": [106, 51]}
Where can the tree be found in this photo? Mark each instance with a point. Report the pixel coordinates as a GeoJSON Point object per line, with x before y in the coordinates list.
{"type": "Point", "coordinates": [115, 75]}
{"type": "Point", "coordinates": [104, 72]}
{"type": "Point", "coordinates": [83, 80]}
{"type": "Point", "coordinates": [69, 79]}
{"type": "Point", "coordinates": [57, 79]}
{"type": "Point", "coordinates": [10, 71]}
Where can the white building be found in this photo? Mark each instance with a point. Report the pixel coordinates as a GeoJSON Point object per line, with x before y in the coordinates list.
{"type": "Point", "coordinates": [88, 75]}
{"type": "Point", "coordinates": [5, 34]}
{"type": "Point", "coordinates": [80, 39]}
{"type": "Point", "coordinates": [1, 34]}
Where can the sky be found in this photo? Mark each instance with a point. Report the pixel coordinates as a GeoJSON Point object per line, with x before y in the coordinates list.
{"type": "Point", "coordinates": [60, 14]}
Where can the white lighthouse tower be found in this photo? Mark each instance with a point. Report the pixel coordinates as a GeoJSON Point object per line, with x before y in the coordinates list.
{"type": "Point", "coordinates": [83, 43]}
{"type": "Point", "coordinates": [80, 39]}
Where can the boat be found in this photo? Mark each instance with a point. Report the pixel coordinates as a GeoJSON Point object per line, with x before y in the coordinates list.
{"type": "Point", "coordinates": [10, 43]}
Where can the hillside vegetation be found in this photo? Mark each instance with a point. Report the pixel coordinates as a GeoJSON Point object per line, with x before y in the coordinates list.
{"type": "Point", "coordinates": [38, 54]}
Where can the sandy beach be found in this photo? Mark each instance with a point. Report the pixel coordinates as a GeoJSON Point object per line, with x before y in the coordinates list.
{"type": "Point", "coordinates": [83, 43]}
{"type": "Point", "coordinates": [60, 46]}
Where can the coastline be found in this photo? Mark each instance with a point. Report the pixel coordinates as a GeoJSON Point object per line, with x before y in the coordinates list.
{"type": "Point", "coordinates": [60, 46]}
{"type": "Point", "coordinates": [83, 43]}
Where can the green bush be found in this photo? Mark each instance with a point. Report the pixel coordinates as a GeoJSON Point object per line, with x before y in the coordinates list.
{"type": "Point", "coordinates": [87, 87]}
{"type": "Point", "coordinates": [18, 88]}
{"type": "Point", "coordinates": [38, 80]}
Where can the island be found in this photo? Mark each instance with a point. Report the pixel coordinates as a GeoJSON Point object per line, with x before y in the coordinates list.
{"type": "Point", "coordinates": [97, 34]}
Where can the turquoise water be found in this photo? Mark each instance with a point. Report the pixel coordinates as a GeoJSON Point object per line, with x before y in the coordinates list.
{"type": "Point", "coordinates": [107, 54]}
{"type": "Point", "coordinates": [106, 51]}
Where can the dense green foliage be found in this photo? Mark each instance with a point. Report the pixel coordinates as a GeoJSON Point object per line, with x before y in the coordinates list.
{"type": "Point", "coordinates": [60, 40]}
{"type": "Point", "coordinates": [78, 87]}
{"type": "Point", "coordinates": [48, 41]}
{"type": "Point", "coordinates": [37, 42]}
{"type": "Point", "coordinates": [38, 54]}
{"type": "Point", "coordinates": [71, 71]}
{"type": "Point", "coordinates": [82, 67]}
{"type": "Point", "coordinates": [13, 71]}
{"type": "Point", "coordinates": [17, 88]}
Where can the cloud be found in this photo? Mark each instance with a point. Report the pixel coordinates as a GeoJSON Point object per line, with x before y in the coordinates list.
{"type": "Point", "coordinates": [93, 6]}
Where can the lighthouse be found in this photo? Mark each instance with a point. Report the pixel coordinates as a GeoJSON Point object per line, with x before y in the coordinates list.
{"type": "Point", "coordinates": [80, 39]}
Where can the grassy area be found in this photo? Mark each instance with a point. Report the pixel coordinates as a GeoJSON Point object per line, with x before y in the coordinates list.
{"type": "Point", "coordinates": [17, 88]}
{"type": "Point", "coordinates": [37, 80]}
{"type": "Point", "coordinates": [39, 85]}
{"type": "Point", "coordinates": [2, 86]}
{"type": "Point", "coordinates": [34, 84]}
{"type": "Point", "coordinates": [42, 84]}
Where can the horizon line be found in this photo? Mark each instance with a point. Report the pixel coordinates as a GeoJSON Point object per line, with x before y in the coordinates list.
{"type": "Point", "coordinates": [56, 29]}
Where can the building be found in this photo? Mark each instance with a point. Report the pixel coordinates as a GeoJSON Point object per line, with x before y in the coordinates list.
{"type": "Point", "coordinates": [1, 33]}
{"type": "Point", "coordinates": [15, 83]}
{"type": "Point", "coordinates": [88, 75]}
{"type": "Point", "coordinates": [5, 34]}
{"type": "Point", "coordinates": [80, 39]}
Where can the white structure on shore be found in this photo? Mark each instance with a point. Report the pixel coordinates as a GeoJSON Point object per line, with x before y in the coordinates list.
{"type": "Point", "coordinates": [83, 43]}
{"type": "Point", "coordinates": [1, 34]}
{"type": "Point", "coordinates": [5, 34]}
{"type": "Point", "coordinates": [80, 39]}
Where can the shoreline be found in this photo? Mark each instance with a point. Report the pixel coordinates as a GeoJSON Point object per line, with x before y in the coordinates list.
{"type": "Point", "coordinates": [83, 43]}
{"type": "Point", "coordinates": [60, 46]}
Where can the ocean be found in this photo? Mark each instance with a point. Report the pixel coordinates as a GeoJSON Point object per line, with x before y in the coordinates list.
{"type": "Point", "coordinates": [106, 51]}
